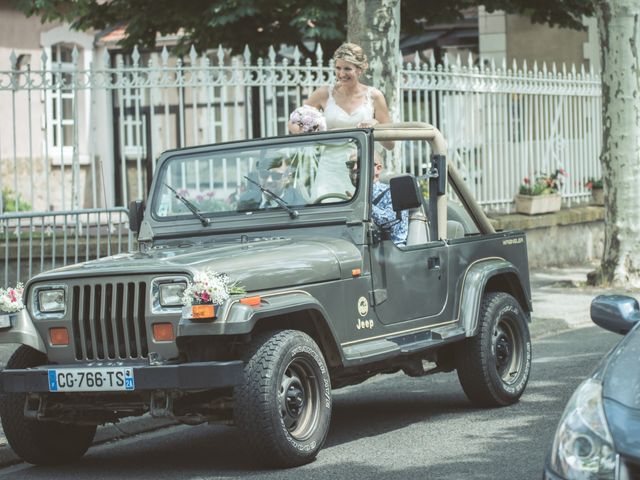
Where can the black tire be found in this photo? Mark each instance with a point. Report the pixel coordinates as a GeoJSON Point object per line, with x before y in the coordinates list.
{"type": "Point", "coordinates": [40, 443]}
{"type": "Point", "coordinates": [283, 406]}
{"type": "Point", "coordinates": [494, 366]}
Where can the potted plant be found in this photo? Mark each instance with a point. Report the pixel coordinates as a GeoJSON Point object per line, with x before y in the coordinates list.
{"type": "Point", "coordinates": [597, 190]}
{"type": "Point", "coordinates": [540, 195]}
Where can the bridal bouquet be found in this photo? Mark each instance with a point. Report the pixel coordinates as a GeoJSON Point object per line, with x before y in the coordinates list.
{"type": "Point", "coordinates": [209, 287]}
{"type": "Point", "coordinates": [11, 299]}
{"type": "Point", "coordinates": [310, 119]}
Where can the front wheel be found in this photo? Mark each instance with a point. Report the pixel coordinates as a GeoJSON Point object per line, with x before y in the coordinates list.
{"type": "Point", "coordinates": [494, 366]}
{"type": "Point", "coordinates": [40, 443]}
{"type": "Point", "coordinates": [283, 406]}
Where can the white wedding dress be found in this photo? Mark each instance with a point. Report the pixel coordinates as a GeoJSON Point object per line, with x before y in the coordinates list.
{"type": "Point", "coordinates": [330, 165]}
{"type": "Point", "coordinates": [337, 117]}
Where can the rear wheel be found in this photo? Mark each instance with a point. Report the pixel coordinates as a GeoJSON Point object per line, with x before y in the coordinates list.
{"type": "Point", "coordinates": [283, 406]}
{"type": "Point", "coordinates": [494, 366]}
{"type": "Point", "coordinates": [40, 443]}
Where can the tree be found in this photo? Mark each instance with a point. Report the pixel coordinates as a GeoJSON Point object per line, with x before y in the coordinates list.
{"type": "Point", "coordinates": [204, 23]}
{"type": "Point", "coordinates": [620, 157]}
{"type": "Point", "coordinates": [209, 23]}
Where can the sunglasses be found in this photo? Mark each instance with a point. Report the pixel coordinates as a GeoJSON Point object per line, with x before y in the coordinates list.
{"type": "Point", "coordinates": [264, 174]}
{"type": "Point", "coordinates": [350, 164]}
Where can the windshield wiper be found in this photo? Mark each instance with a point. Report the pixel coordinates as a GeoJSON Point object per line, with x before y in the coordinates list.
{"type": "Point", "coordinates": [192, 208]}
{"type": "Point", "coordinates": [292, 213]}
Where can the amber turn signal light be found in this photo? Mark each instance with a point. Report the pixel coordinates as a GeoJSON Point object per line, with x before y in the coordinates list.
{"type": "Point", "coordinates": [251, 301]}
{"type": "Point", "coordinates": [356, 272]}
{"type": "Point", "coordinates": [203, 311]}
{"type": "Point", "coordinates": [59, 336]}
{"type": "Point", "coordinates": [163, 332]}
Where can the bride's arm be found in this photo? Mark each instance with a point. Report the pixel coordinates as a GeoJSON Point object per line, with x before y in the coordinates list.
{"type": "Point", "coordinates": [381, 113]}
{"type": "Point", "coordinates": [317, 99]}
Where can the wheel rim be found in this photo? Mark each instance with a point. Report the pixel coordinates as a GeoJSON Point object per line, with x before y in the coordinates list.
{"type": "Point", "coordinates": [299, 399]}
{"type": "Point", "coordinates": [508, 351]}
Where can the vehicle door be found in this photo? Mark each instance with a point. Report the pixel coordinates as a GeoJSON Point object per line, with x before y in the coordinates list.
{"type": "Point", "coordinates": [409, 283]}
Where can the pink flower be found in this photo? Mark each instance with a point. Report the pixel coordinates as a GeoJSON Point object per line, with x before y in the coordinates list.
{"type": "Point", "coordinates": [527, 181]}
{"type": "Point", "coordinates": [205, 297]}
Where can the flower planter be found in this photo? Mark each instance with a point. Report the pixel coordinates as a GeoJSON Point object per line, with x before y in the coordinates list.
{"type": "Point", "coordinates": [597, 196]}
{"type": "Point", "coordinates": [8, 320]}
{"type": "Point", "coordinates": [535, 204]}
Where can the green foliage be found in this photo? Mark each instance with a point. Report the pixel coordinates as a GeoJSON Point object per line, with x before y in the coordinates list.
{"type": "Point", "coordinates": [544, 184]}
{"type": "Point", "coordinates": [236, 23]}
{"type": "Point", "coordinates": [11, 202]}
{"type": "Point", "coordinates": [205, 23]}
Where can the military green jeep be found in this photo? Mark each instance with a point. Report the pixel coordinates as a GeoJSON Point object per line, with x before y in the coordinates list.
{"type": "Point", "coordinates": [323, 297]}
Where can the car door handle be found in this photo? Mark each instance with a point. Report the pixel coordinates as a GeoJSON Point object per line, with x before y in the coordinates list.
{"type": "Point", "coordinates": [433, 263]}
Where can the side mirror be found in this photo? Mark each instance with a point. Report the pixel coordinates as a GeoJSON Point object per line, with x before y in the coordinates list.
{"type": "Point", "coordinates": [405, 193]}
{"type": "Point", "coordinates": [616, 313]}
{"type": "Point", "coordinates": [136, 214]}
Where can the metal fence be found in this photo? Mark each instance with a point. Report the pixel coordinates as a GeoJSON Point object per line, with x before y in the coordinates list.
{"type": "Point", "coordinates": [81, 137]}
{"type": "Point", "coordinates": [34, 242]}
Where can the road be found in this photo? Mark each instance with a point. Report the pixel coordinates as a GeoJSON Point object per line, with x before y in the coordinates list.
{"type": "Point", "coordinates": [391, 427]}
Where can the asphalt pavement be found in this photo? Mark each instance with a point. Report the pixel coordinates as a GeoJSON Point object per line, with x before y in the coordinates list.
{"type": "Point", "coordinates": [561, 301]}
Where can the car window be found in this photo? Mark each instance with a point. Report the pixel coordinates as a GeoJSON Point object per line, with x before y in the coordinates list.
{"type": "Point", "coordinates": [228, 182]}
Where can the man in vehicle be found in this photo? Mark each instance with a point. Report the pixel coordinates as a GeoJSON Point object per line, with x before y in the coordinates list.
{"type": "Point", "coordinates": [382, 209]}
{"type": "Point", "coordinates": [274, 175]}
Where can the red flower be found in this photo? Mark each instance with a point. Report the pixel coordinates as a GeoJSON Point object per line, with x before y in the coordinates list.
{"type": "Point", "coordinates": [527, 181]}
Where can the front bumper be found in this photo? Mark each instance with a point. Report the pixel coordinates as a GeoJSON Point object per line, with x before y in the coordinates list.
{"type": "Point", "coordinates": [186, 376]}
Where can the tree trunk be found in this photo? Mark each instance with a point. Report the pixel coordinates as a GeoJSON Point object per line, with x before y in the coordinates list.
{"type": "Point", "coordinates": [618, 24]}
{"type": "Point", "coordinates": [375, 26]}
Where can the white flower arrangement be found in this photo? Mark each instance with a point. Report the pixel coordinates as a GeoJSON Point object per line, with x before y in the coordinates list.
{"type": "Point", "coordinates": [309, 119]}
{"type": "Point", "coordinates": [11, 299]}
{"type": "Point", "coordinates": [209, 287]}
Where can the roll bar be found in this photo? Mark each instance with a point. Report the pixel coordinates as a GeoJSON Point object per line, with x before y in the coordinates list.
{"type": "Point", "coordinates": [424, 131]}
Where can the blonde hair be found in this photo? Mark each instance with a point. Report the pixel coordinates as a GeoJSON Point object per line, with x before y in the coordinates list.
{"type": "Point", "coordinates": [352, 53]}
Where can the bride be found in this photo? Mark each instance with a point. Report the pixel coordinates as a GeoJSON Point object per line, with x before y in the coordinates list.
{"type": "Point", "coordinates": [347, 103]}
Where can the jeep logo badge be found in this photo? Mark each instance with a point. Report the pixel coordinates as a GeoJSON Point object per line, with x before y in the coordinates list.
{"type": "Point", "coordinates": [363, 306]}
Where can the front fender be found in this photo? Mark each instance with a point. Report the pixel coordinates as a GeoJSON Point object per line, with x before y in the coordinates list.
{"type": "Point", "coordinates": [23, 331]}
{"type": "Point", "coordinates": [474, 284]}
{"type": "Point", "coordinates": [236, 318]}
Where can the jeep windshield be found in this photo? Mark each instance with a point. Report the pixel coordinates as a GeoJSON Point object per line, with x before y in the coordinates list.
{"type": "Point", "coordinates": [245, 181]}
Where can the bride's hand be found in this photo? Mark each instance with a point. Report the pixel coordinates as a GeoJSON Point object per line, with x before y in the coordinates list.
{"type": "Point", "coordinates": [368, 123]}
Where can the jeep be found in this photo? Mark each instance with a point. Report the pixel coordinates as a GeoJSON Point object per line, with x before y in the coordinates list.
{"type": "Point", "coordinates": [327, 299]}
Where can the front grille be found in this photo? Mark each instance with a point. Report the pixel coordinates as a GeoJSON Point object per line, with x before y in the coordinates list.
{"type": "Point", "coordinates": [109, 321]}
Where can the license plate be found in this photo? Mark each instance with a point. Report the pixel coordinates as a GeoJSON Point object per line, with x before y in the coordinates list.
{"type": "Point", "coordinates": [91, 379]}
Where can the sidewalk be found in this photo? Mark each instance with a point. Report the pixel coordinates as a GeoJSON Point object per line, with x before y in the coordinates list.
{"type": "Point", "coordinates": [561, 301]}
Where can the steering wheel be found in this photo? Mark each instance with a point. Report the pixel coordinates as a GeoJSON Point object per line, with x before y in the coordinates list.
{"type": "Point", "coordinates": [326, 196]}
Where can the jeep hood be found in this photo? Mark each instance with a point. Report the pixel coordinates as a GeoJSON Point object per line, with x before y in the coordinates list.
{"type": "Point", "coordinates": [257, 265]}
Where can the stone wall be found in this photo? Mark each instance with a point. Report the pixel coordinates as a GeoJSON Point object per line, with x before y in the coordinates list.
{"type": "Point", "coordinates": [573, 236]}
